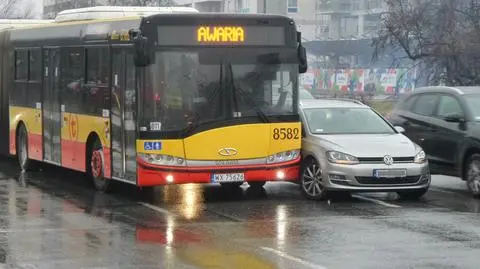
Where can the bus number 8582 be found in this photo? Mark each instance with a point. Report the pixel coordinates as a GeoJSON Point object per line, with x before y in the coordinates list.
{"type": "Point", "coordinates": [286, 133]}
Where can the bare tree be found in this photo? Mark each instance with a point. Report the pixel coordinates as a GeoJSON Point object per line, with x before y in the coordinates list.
{"type": "Point", "coordinates": [17, 9]}
{"type": "Point", "coordinates": [7, 7]}
{"type": "Point", "coordinates": [442, 35]}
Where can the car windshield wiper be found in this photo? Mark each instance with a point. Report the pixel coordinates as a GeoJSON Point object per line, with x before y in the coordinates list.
{"type": "Point", "coordinates": [245, 96]}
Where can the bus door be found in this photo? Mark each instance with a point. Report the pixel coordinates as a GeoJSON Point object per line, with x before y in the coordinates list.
{"type": "Point", "coordinates": [123, 113]}
{"type": "Point", "coordinates": [51, 107]}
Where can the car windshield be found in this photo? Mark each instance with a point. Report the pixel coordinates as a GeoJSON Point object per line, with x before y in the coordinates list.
{"type": "Point", "coordinates": [346, 121]}
{"type": "Point", "coordinates": [473, 102]}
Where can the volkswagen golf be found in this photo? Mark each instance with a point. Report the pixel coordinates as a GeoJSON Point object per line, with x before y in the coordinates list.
{"type": "Point", "coordinates": [348, 147]}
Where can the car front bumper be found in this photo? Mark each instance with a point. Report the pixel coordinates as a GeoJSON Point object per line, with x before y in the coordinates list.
{"type": "Point", "coordinates": [360, 177]}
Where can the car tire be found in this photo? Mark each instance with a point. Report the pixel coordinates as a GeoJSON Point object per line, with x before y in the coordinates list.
{"type": "Point", "coordinates": [311, 180]}
{"type": "Point", "coordinates": [472, 175]}
{"type": "Point", "coordinates": [97, 168]}
{"type": "Point", "coordinates": [412, 195]}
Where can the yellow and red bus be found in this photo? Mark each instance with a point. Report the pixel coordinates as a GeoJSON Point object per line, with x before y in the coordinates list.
{"type": "Point", "coordinates": [171, 96]}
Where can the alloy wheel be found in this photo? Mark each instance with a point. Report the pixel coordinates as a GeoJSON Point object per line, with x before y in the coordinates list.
{"type": "Point", "coordinates": [312, 181]}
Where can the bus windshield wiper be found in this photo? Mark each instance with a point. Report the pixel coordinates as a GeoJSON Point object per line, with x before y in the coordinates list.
{"type": "Point", "coordinates": [194, 124]}
{"type": "Point", "coordinates": [245, 96]}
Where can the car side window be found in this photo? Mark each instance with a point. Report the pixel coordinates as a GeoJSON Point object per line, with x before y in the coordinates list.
{"type": "Point", "coordinates": [425, 104]}
{"type": "Point", "coordinates": [449, 106]}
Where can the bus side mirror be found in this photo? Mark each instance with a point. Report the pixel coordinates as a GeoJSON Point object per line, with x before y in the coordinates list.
{"type": "Point", "coordinates": [302, 57]}
{"type": "Point", "coordinates": [140, 44]}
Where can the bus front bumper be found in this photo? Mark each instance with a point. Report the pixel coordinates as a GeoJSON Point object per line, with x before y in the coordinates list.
{"type": "Point", "coordinates": [149, 175]}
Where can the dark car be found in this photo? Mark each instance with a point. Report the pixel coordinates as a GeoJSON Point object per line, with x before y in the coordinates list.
{"type": "Point", "coordinates": [445, 122]}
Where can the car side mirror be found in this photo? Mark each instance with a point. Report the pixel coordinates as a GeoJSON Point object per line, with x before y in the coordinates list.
{"type": "Point", "coordinates": [400, 129]}
{"type": "Point", "coordinates": [454, 118]}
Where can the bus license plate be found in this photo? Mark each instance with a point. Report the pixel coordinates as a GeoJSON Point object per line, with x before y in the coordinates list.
{"type": "Point", "coordinates": [389, 173]}
{"type": "Point", "coordinates": [225, 178]}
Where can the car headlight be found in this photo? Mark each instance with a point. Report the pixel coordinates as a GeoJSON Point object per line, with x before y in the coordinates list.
{"type": "Point", "coordinates": [159, 159]}
{"type": "Point", "coordinates": [284, 156]}
{"type": "Point", "coordinates": [341, 158]}
{"type": "Point", "coordinates": [421, 157]}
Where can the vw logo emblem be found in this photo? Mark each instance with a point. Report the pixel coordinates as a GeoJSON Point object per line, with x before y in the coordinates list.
{"type": "Point", "coordinates": [227, 152]}
{"type": "Point", "coordinates": [388, 160]}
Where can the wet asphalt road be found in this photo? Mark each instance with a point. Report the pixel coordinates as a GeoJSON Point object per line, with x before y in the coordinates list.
{"type": "Point", "coordinates": [54, 219]}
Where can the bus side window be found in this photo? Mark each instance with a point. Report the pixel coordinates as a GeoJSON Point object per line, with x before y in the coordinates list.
{"type": "Point", "coordinates": [97, 80]}
{"type": "Point", "coordinates": [72, 79]}
{"type": "Point", "coordinates": [18, 95]}
{"type": "Point", "coordinates": [34, 95]}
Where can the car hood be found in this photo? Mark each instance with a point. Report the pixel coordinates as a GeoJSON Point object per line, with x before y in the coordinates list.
{"type": "Point", "coordinates": [369, 145]}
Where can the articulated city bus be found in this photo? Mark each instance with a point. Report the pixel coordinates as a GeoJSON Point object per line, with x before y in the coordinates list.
{"type": "Point", "coordinates": [171, 96]}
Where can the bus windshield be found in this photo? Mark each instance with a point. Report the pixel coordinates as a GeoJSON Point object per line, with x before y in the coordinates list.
{"type": "Point", "coordinates": [191, 88]}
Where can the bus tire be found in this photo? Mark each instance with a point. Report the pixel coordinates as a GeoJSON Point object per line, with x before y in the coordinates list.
{"type": "Point", "coordinates": [96, 167]}
{"type": "Point", "coordinates": [22, 149]}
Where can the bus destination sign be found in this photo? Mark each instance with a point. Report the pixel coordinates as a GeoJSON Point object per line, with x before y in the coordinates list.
{"type": "Point", "coordinates": [221, 35]}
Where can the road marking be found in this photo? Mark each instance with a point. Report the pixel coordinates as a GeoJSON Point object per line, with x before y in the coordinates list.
{"type": "Point", "coordinates": [292, 258]}
{"type": "Point", "coordinates": [378, 202]}
{"type": "Point", "coordinates": [156, 208]}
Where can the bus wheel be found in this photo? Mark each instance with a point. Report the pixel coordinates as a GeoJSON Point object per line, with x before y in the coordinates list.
{"type": "Point", "coordinates": [97, 166]}
{"type": "Point", "coordinates": [22, 149]}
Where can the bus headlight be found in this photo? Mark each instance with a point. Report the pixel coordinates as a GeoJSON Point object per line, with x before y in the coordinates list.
{"type": "Point", "coordinates": [159, 159]}
{"type": "Point", "coordinates": [284, 156]}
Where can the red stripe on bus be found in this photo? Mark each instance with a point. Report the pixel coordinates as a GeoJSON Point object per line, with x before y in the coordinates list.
{"type": "Point", "coordinates": [148, 177]}
{"type": "Point", "coordinates": [13, 148]}
{"type": "Point", "coordinates": [74, 156]}
{"type": "Point", "coordinates": [108, 162]}
{"type": "Point", "coordinates": [141, 162]}
{"type": "Point", "coordinates": [35, 146]}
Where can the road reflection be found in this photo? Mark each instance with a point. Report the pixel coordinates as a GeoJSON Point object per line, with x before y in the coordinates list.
{"type": "Point", "coordinates": [188, 199]}
{"type": "Point", "coordinates": [64, 213]}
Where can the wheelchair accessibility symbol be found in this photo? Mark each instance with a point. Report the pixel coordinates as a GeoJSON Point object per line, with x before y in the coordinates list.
{"type": "Point", "coordinates": [152, 145]}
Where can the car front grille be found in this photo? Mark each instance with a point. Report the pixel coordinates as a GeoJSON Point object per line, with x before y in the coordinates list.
{"type": "Point", "coordinates": [380, 160]}
{"type": "Point", "coordinates": [388, 181]}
